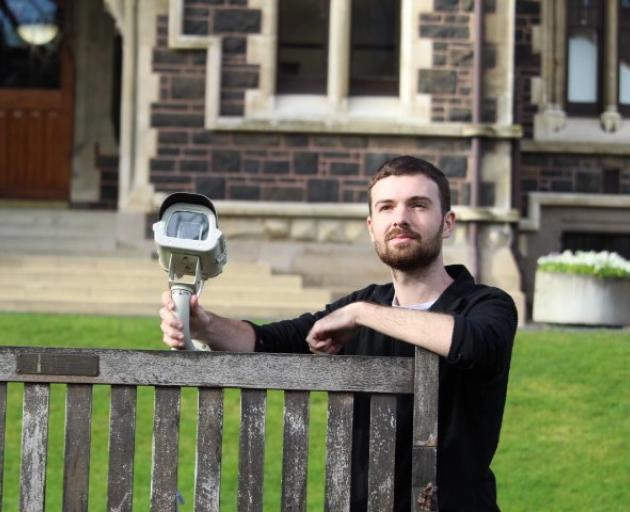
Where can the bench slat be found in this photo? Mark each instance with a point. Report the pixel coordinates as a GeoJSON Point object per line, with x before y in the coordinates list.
{"type": "Point", "coordinates": [34, 443]}
{"type": "Point", "coordinates": [339, 450]}
{"type": "Point", "coordinates": [295, 451]}
{"type": "Point", "coordinates": [302, 372]}
{"type": "Point", "coordinates": [382, 453]}
{"type": "Point", "coordinates": [165, 449]}
{"type": "Point", "coordinates": [252, 450]}
{"type": "Point", "coordinates": [425, 430]}
{"type": "Point", "coordinates": [209, 442]}
{"type": "Point", "coordinates": [122, 428]}
{"type": "Point", "coordinates": [77, 447]}
{"type": "Point", "coordinates": [423, 478]}
{"type": "Point", "coordinates": [425, 404]}
{"type": "Point", "coordinates": [3, 422]}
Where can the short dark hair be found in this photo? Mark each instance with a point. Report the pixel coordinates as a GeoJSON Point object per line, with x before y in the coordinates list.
{"type": "Point", "coordinates": [410, 166]}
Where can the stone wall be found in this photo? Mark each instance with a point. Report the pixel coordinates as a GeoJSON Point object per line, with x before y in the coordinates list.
{"type": "Point", "coordinates": [290, 167]}
{"type": "Point", "coordinates": [307, 167]}
{"type": "Point", "coordinates": [527, 63]}
{"type": "Point", "coordinates": [560, 172]}
{"type": "Point", "coordinates": [449, 81]}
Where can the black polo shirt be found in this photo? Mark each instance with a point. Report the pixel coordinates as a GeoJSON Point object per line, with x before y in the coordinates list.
{"type": "Point", "coordinates": [472, 389]}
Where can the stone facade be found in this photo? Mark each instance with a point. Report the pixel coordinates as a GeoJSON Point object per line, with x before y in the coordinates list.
{"type": "Point", "coordinates": [527, 63]}
{"type": "Point", "coordinates": [589, 174]}
{"type": "Point", "coordinates": [312, 167]}
{"type": "Point", "coordinates": [449, 79]}
{"type": "Point", "coordinates": [573, 171]}
{"type": "Point", "coordinates": [200, 113]}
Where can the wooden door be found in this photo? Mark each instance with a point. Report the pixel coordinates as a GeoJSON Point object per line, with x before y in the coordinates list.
{"type": "Point", "coordinates": [36, 106]}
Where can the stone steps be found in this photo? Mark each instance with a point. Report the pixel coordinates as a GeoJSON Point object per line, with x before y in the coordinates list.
{"type": "Point", "coordinates": [57, 231]}
{"type": "Point", "coordinates": [133, 287]}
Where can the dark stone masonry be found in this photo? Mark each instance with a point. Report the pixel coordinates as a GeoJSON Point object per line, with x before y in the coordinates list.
{"type": "Point", "coordinates": [279, 166]}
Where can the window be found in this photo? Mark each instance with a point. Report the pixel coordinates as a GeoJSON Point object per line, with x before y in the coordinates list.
{"type": "Point", "coordinates": [374, 48]}
{"type": "Point", "coordinates": [302, 46]}
{"type": "Point", "coordinates": [314, 44]}
{"type": "Point", "coordinates": [585, 79]}
{"type": "Point", "coordinates": [612, 242]}
{"type": "Point", "coordinates": [594, 80]}
{"type": "Point", "coordinates": [584, 35]}
{"type": "Point", "coordinates": [624, 56]}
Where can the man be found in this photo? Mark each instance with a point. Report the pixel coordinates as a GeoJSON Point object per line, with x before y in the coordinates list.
{"type": "Point", "coordinates": [427, 305]}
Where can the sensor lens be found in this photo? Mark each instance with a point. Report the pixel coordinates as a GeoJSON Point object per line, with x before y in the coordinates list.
{"type": "Point", "coordinates": [188, 226]}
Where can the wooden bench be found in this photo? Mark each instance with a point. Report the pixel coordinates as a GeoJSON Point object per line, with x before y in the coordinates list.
{"type": "Point", "coordinates": [254, 374]}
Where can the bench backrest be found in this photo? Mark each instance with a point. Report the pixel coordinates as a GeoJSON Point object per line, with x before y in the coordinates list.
{"type": "Point", "coordinates": [341, 376]}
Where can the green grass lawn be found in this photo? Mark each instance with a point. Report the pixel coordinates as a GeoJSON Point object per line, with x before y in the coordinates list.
{"type": "Point", "coordinates": [564, 444]}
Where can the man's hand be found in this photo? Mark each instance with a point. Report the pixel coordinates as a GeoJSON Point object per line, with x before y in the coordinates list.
{"type": "Point", "coordinates": [172, 327]}
{"type": "Point", "coordinates": [431, 331]}
{"type": "Point", "coordinates": [329, 334]}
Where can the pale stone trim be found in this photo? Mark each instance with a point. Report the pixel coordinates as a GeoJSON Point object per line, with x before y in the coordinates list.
{"type": "Point", "coordinates": [611, 118]}
{"type": "Point", "coordinates": [118, 11]}
{"type": "Point", "coordinates": [339, 54]}
{"type": "Point", "coordinates": [496, 163]}
{"type": "Point", "coordinates": [579, 129]}
{"type": "Point", "coordinates": [539, 199]}
{"type": "Point", "coordinates": [366, 127]}
{"type": "Point", "coordinates": [560, 53]}
{"type": "Point", "coordinates": [586, 147]}
{"type": "Point", "coordinates": [408, 114]}
{"type": "Point", "coordinates": [339, 210]}
{"type": "Point", "coordinates": [499, 30]}
{"type": "Point", "coordinates": [176, 39]}
{"type": "Point", "coordinates": [551, 117]}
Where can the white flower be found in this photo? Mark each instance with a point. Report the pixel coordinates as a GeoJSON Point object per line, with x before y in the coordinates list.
{"type": "Point", "coordinates": [596, 263]}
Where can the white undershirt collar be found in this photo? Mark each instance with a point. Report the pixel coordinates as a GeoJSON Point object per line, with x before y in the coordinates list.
{"type": "Point", "coordinates": [423, 306]}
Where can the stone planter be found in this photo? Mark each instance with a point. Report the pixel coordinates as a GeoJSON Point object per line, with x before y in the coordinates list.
{"type": "Point", "coordinates": [581, 299]}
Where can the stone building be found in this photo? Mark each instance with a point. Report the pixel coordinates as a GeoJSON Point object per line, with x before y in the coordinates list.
{"type": "Point", "coordinates": [281, 110]}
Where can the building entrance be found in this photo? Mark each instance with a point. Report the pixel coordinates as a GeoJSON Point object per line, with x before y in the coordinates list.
{"type": "Point", "coordinates": [36, 100]}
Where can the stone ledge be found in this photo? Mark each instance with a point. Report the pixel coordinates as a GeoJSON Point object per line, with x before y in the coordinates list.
{"type": "Point", "coordinates": [539, 199]}
{"type": "Point", "coordinates": [350, 211]}
{"type": "Point", "coordinates": [381, 126]}
{"type": "Point", "coordinates": [581, 148]}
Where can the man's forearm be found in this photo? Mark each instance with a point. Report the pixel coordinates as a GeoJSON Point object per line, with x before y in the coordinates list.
{"type": "Point", "coordinates": [226, 334]}
{"type": "Point", "coordinates": [431, 331]}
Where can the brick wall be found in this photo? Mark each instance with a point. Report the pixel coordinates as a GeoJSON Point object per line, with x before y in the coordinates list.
{"type": "Point", "coordinates": [527, 64]}
{"type": "Point", "coordinates": [232, 20]}
{"type": "Point", "coordinates": [592, 174]}
{"type": "Point", "coordinates": [291, 167]}
{"type": "Point", "coordinates": [450, 80]}
{"type": "Point", "coordinates": [274, 166]}
{"type": "Point", "coordinates": [107, 166]}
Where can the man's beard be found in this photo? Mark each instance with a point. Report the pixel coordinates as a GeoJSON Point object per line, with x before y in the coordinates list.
{"type": "Point", "coordinates": [414, 254]}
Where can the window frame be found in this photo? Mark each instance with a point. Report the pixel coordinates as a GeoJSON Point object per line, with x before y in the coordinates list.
{"type": "Point", "coordinates": [409, 113]}
{"type": "Point", "coordinates": [557, 124]}
{"type": "Point", "coordinates": [624, 108]}
{"type": "Point", "coordinates": [594, 108]}
{"type": "Point", "coordinates": [337, 103]}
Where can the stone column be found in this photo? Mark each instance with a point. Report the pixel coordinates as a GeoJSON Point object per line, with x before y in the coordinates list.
{"type": "Point", "coordinates": [339, 53]}
{"type": "Point", "coordinates": [136, 20]}
{"type": "Point", "coordinates": [553, 63]}
{"type": "Point", "coordinates": [610, 118]}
